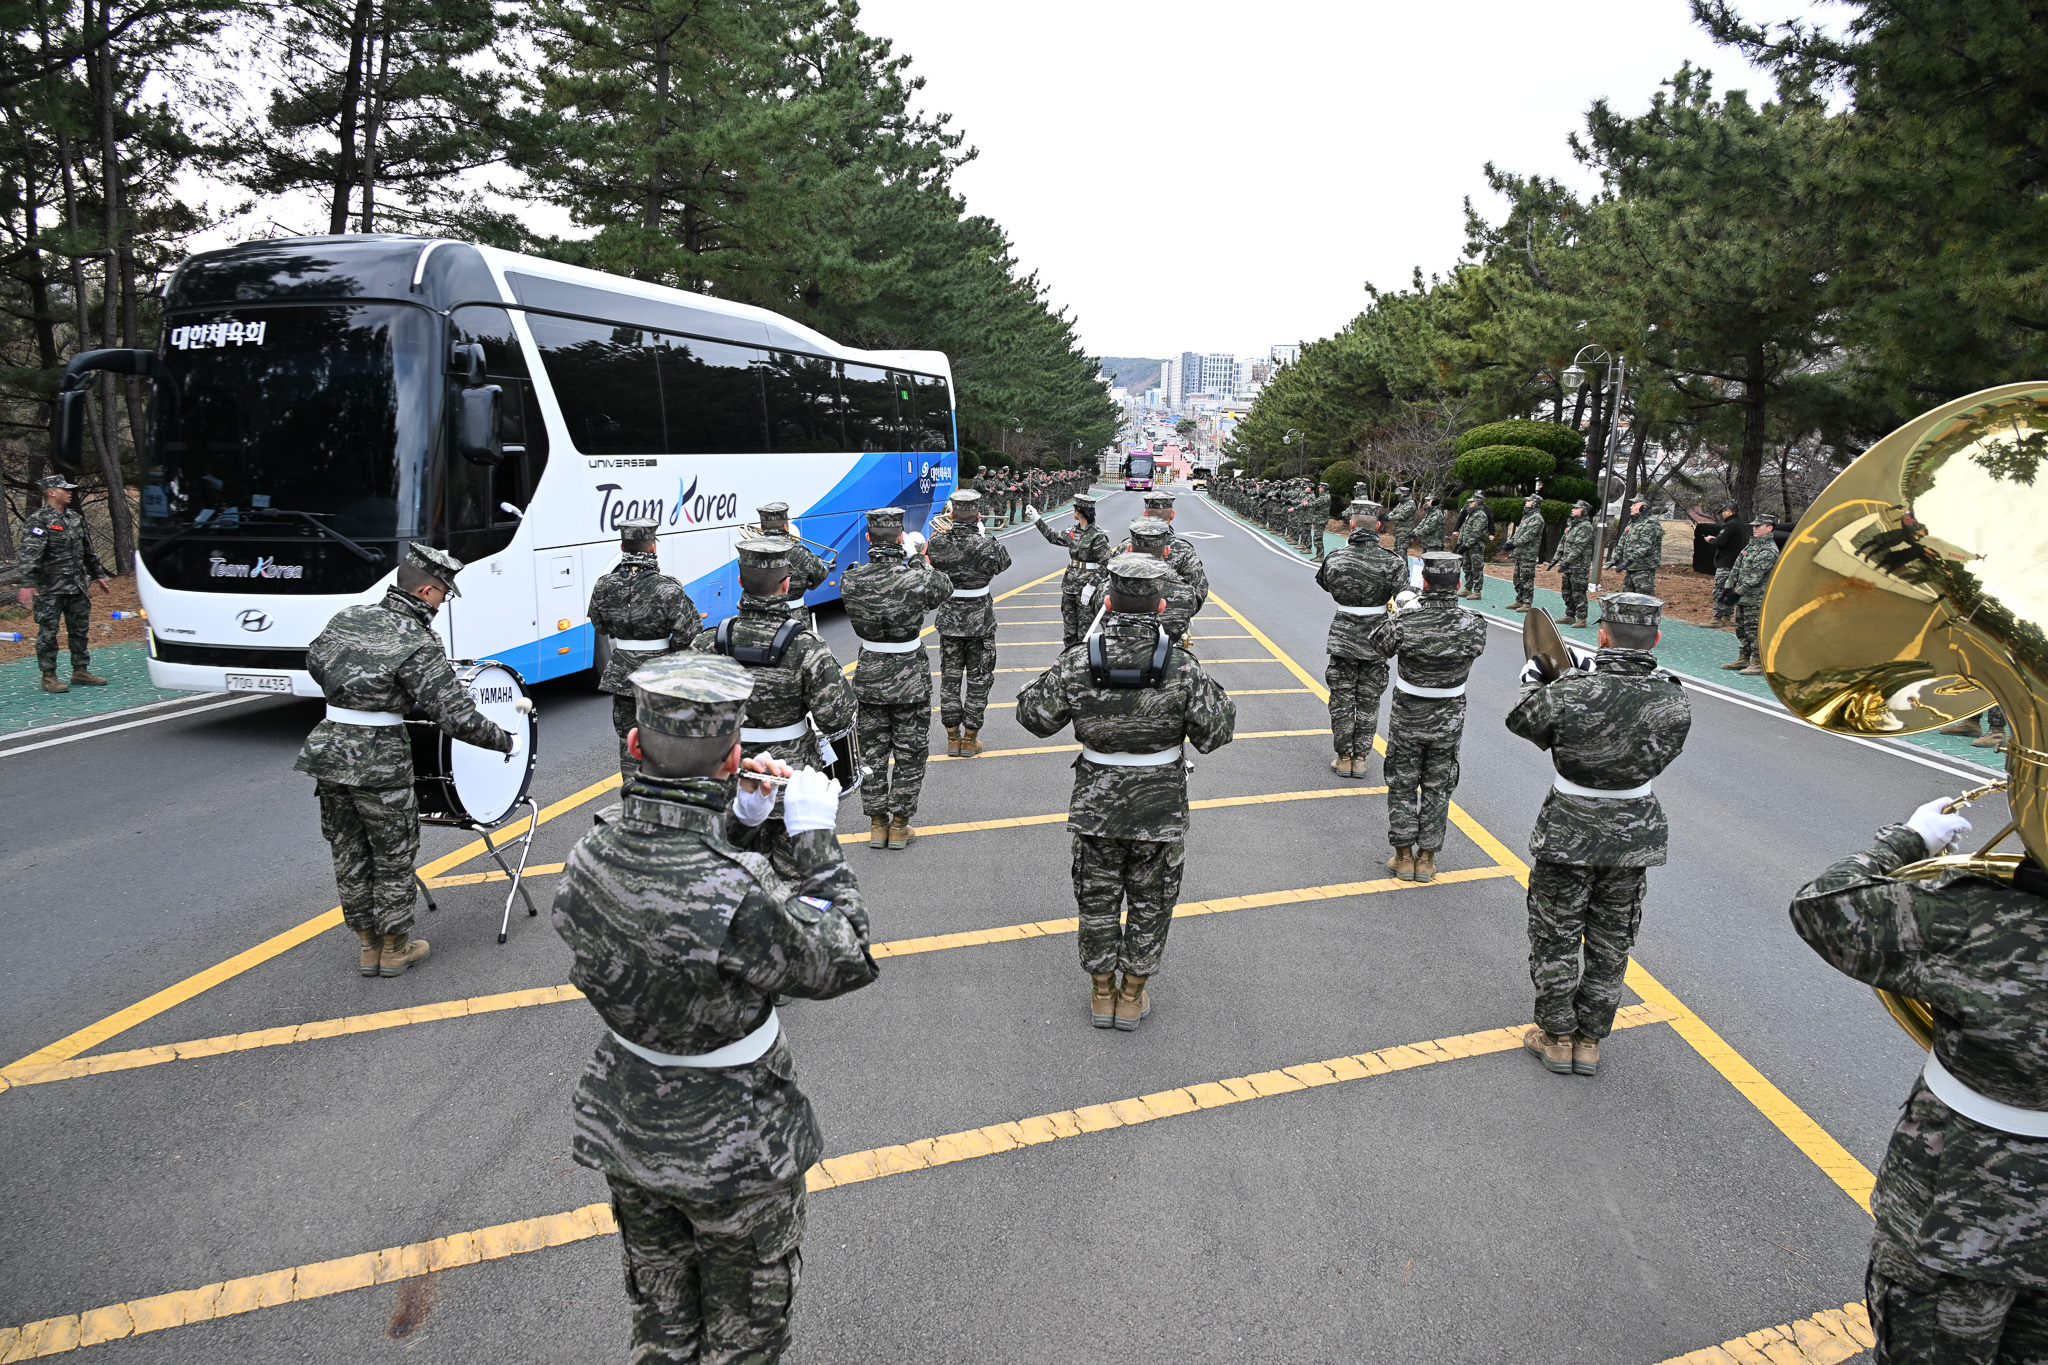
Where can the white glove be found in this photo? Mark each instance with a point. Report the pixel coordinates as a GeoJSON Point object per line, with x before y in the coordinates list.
{"type": "Point", "coordinates": [524, 706]}
{"type": "Point", "coordinates": [1936, 827]}
{"type": "Point", "coordinates": [810, 801]}
{"type": "Point", "coordinates": [1404, 600]}
{"type": "Point", "coordinates": [1030, 512]}
{"type": "Point", "coordinates": [1532, 674]}
{"type": "Point", "coordinates": [750, 808]}
{"type": "Point", "coordinates": [518, 745]}
{"type": "Point", "coordinates": [913, 542]}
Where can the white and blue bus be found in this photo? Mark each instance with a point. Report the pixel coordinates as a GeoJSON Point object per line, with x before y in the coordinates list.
{"type": "Point", "coordinates": [319, 403]}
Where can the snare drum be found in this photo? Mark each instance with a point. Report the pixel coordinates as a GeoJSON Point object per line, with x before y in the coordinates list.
{"type": "Point", "coordinates": [839, 755]}
{"type": "Point", "coordinates": [460, 784]}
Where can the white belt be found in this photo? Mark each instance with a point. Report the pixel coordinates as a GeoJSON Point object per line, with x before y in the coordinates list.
{"type": "Point", "coordinates": [643, 646]}
{"type": "Point", "coordinates": [1412, 690]}
{"type": "Point", "coordinates": [1361, 611]}
{"type": "Point", "coordinates": [971, 592]}
{"type": "Point", "coordinates": [750, 736]}
{"type": "Point", "coordinates": [348, 717]}
{"type": "Point", "coordinates": [748, 1049]}
{"type": "Point", "coordinates": [1160, 759]}
{"type": "Point", "coordinates": [1991, 1113]}
{"type": "Point", "coordinates": [1571, 788]}
{"type": "Point", "coordinates": [892, 646]}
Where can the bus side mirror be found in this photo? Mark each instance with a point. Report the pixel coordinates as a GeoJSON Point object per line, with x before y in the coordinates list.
{"type": "Point", "coordinates": [67, 431]}
{"type": "Point", "coordinates": [476, 426]}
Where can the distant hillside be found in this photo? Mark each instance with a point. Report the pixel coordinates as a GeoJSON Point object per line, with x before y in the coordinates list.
{"type": "Point", "coordinates": [1131, 372]}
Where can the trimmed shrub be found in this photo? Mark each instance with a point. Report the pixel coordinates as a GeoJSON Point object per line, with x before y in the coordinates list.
{"type": "Point", "coordinates": [1342, 477]}
{"type": "Point", "coordinates": [1553, 438]}
{"type": "Point", "coordinates": [1502, 466]}
{"type": "Point", "coordinates": [1506, 512]}
{"type": "Point", "coordinates": [1555, 513]}
{"type": "Point", "coordinates": [1569, 489]}
{"type": "Point", "coordinates": [1053, 463]}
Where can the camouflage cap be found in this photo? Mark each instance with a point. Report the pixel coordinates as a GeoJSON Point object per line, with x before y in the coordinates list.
{"type": "Point", "coordinates": [695, 696]}
{"type": "Point", "coordinates": [1532, 500]}
{"type": "Point", "coordinates": [1639, 500]}
{"type": "Point", "coordinates": [58, 481]}
{"type": "Point", "coordinates": [1084, 501]}
{"type": "Point", "coordinates": [1362, 508]}
{"type": "Point", "coordinates": [1159, 500]}
{"type": "Point", "coordinates": [1765, 521]}
{"type": "Point", "coordinates": [885, 519]}
{"type": "Point", "coordinates": [1441, 561]}
{"type": "Point", "coordinates": [775, 512]}
{"type": "Point", "coordinates": [1582, 506]}
{"type": "Point", "coordinates": [1631, 609]}
{"type": "Point", "coordinates": [1137, 575]}
{"type": "Point", "coordinates": [966, 502]}
{"type": "Point", "coordinates": [768, 552]}
{"type": "Point", "coordinates": [1150, 530]}
{"type": "Point", "coordinates": [638, 528]}
{"type": "Point", "coordinates": [1477, 496]}
{"type": "Point", "coordinates": [438, 565]}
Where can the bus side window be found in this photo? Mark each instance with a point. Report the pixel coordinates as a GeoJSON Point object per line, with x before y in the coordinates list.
{"type": "Point", "coordinates": [712, 393]}
{"type": "Point", "coordinates": [525, 437]}
{"type": "Point", "coordinates": [870, 409]}
{"type": "Point", "coordinates": [934, 413]}
{"type": "Point", "coordinates": [608, 382]}
{"type": "Point", "coordinates": [803, 402]}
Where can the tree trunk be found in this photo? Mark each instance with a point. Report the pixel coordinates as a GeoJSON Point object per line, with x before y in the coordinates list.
{"type": "Point", "coordinates": [110, 302]}
{"type": "Point", "coordinates": [351, 100]}
{"type": "Point", "coordinates": [1751, 464]}
{"type": "Point", "coordinates": [371, 127]}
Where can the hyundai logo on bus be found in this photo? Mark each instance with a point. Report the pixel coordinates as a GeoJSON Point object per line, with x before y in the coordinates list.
{"type": "Point", "coordinates": [253, 620]}
{"type": "Point", "coordinates": [264, 567]}
{"type": "Point", "coordinates": [691, 508]}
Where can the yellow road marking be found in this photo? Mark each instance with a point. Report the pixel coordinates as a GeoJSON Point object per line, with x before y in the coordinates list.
{"type": "Point", "coordinates": [851, 664]}
{"type": "Point", "coordinates": [1829, 1336]}
{"type": "Point", "coordinates": [1075, 749]}
{"type": "Point", "coordinates": [1017, 644]}
{"type": "Point", "coordinates": [53, 1336]}
{"type": "Point", "coordinates": [92, 1035]}
{"type": "Point", "coordinates": [1235, 692]}
{"type": "Point", "coordinates": [1809, 1137]}
{"type": "Point", "coordinates": [1060, 817]}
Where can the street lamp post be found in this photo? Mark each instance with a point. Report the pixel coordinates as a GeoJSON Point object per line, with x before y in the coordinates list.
{"type": "Point", "coordinates": [1615, 366]}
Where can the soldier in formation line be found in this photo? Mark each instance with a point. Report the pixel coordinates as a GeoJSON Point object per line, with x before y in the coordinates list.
{"type": "Point", "coordinates": [1474, 528]}
{"type": "Point", "coordinates": [1525, 545]}
{"type": "Point", "coordinates": [970, 560]}
{"type": "Point", "coordinates": [887, 600]}
{"type": "Point", "coordinates": [1362, 578]}
{"type": "Point", "coordinates": [1573, 557]}
{"type": "Point", "coordinates": [57, 560]}
{"type": "Point", "coordinates": [1429, 532]}
{"type": "Point", "coordinates": [645, 614]}
{"type": "Point", "coordinates": [1959, 1261]}
{"type": "Point", "coordinates": [1434, 644]}
{"type": "Point", "coordinates": [806, 570]}
{"type": "Point", "coordinates": [681, 941]}
{"type": "Point", "coordinates": [1747, 580]}
{"type": "Point", "coordinates": [1401, 521]}
{"type": "Point", "coordinates": [374, 663]}
{"type": "Point", "coordinates": [799, 693]}
{"type": "Point", "coordinates": [1154, 540]}
{"type": "Point", "coordinates": [1183, 560]}
{"type": "Point", "coordinates": [1088, 555]}
{"type": "Point", "coordinates": [1639, 550]}
{"type": "Point", "coordinates": [1610, 730]}
{"type": "Point", "coordinates": [1134, 701]}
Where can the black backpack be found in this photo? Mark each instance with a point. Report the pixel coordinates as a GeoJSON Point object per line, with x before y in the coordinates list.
{"type": "Point", "coordinates": [755, 656]}
{"type": "Point", "coordinates": [1151, 675]}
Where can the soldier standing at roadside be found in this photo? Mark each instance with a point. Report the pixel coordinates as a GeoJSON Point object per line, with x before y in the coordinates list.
{"type": "Point", "coordinates": [1362, 577]}
{"type": "Point", "coordinates": [1610, 731]}
{"type": "Point", "coordinates": [374, 663]}
{"type": "Point", "coordinates": [1640, 550]}
{"type": "Point", "coordinates": [1430, 530]}
{"type": "Point", "coordinates": [1435, 642]}
{"type": "Point", "coordinates": [645, 614]}
{"type": "Point", "coordinates": [681, 941]}
{"type": "Point", "coordinates": [1088, 554]}
{"type": "Point", "coordinates": [970, 560]}
{"type": "Point", "coordinates": [1574, 558]}
{"type": "Point", "coordinates": [806, 570]}
{"type": "Point", "coordinates": [887, 599]}
{"type": "Point", "coordinates": [1401, 521]}
{"type": "Point", "coordinates": [1473, 529]}
{"type": "Point", "coordinates": [1747, 581]}
{"type": "Point", "coordinates": [57, 560]}
{"type": "Point", "coordinates": [1133, 701]}
{"type": "Point", "coordinates": [1525, 544]}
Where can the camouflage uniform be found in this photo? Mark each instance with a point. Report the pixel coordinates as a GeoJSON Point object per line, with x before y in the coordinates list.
{"type": "Point", "coordinates": [681, 942]}
{"type": "Point", "coordinates": [1434, 644]}
{"type": "Point", "coordinates": [1401, 521]}
{"type": "Point", "coordinates": [1364, 577]}
{"type": "Point", "coordinates": [1154, 540]}
{"type": "Point", "coordinates": [1747, 580]}
{"type": "Point", "coordinates": [637, 601]}
{"type": "Point", "coordinates": [1472, 534]}
{"type": "Point", "coordinates": [1574, 558]}
{"type": "Point", "coordinates": [383, 658]}
{"type": "Point", "coordinates": [1087, 547]}
{"type": "Point", "coordinates": [1129, 823]}
{"type": "Point", "coordinates": [1612, 729]}
{"type": "Point", "coordinates": [1430, 530]}
{"type": "Point", "coordinates": [58, 561]}
{"type": "Point", "coordinates": [1959, 1262]}
{"type": "Point", "coordinates": [808, 683]}
{"type": "Point", "coordinates": [1182, 559]}
{"type": "Point", "coordinates": [806, 570]}
{"type": "Point", "coordinates": [1639, 552]}
{"type": "Point", "coordinates": [887, 599]}
{"type": "Point", "coordinates": [970, 560]}
{"type": "Point", "coordinates": [1525, 544]}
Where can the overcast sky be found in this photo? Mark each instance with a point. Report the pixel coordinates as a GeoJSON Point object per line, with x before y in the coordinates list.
{"type": "Point", "coordinates": [1223, 176]}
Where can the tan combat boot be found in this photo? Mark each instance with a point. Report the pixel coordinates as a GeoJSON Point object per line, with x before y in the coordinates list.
{"type": "Point", "coordinates": [85, 677]}
{"type": "Point", "coordinates": [1102, 999]}
{"type": "Point", "coordinates": [373, 948]}
{"type": "Point", "coordinates": [970, 743]}
{"type": "Point", "coordinates": [401, 950]}
{"type": "Point", "coordinates": [878, 831]}
{"type": "Point", "coordinates": [1738, 665]}
{"type": "Point", "coordinates": [952, 741]}
{"type": "Point", "coordinates": [1402, 864]}
{"type": "Point", "coordinates": [1425, 865]}
{"type": "Point", "coordinates": [1341, 765]}
{"type": "Point", "coordinates": [1132, 1003]}
{"type": "Point", "coordinates": [50, 683]}
{"type": "Point", "coordinates": [1555, 1051]}
{"type": "Point", "coordinates": [1585, 1054]}
{"type": "Point", "coordinates": [900, 836]}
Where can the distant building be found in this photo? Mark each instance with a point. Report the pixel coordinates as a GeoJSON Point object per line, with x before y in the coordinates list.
{"type": "Point", "coordinates": [1219, 375]}
{"type": "Point", "coordinates": [1257, 374]}
{"type": "Point", "coordinates": [1285, 355]}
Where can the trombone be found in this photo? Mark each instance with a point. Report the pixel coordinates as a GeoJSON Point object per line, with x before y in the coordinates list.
{"type": "Point", "coordinates": [824, 552]}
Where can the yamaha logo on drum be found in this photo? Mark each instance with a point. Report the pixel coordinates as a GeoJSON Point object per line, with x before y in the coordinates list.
{"type": "Point", "coordinates": [484, 696]}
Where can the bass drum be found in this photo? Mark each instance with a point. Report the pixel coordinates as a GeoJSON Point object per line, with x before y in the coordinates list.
{"type": "Point", "coordinates": [461, 784]}
{"type": "Point", "coordinates": [839, 756]}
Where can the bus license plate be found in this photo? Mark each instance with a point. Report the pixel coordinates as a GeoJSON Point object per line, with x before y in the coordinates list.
{"type": "Point", "coordinates": [259, 682]}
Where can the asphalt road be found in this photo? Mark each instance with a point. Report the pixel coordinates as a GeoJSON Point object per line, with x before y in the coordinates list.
{"type": "Point", "coordinates": [1472, 1208]}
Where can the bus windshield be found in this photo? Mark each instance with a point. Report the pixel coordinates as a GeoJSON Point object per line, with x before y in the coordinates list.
{"type": "Point", "coordinates": [292, 422]}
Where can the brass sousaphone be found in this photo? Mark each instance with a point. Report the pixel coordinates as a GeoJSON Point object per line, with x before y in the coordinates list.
{"type": "Point", "coordinates": [1914, 593]}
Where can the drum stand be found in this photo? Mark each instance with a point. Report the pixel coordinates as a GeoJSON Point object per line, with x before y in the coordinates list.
{"type": "Point", "coordinates": [516, 875]}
